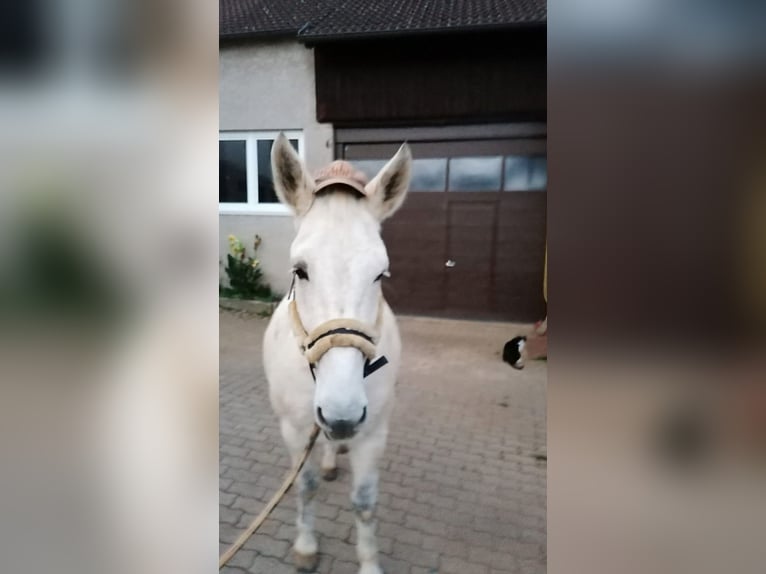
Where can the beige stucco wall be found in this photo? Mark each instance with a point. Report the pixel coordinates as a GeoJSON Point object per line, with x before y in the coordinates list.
{"type": "Point", "coordinates": [270, 86]}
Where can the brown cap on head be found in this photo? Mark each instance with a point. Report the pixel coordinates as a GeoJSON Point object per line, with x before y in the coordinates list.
{"type": "Point", "coordinates": [340, 172]}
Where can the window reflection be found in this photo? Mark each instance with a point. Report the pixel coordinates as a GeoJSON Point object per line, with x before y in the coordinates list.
{"type": "Point", "coordinates": [266, 191]}
{"type": "Point", "coordinates": [369, 167]}
{"type": "Point", "coordinates": [538, 178]}
{"type": "Point", "coordinates": [517, 173]}
{"type": "Point", "coordinates": [429, 174]}
{"type": "Point", "coordinates": [525, 173]}
{"type": "Point", "coordinates": [232, 172]}
{"type": "Point", "coordinates": [475, 173]}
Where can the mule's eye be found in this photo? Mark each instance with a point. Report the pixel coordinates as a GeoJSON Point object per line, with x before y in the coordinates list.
{"type": "Point", "coordinates": [301, 273]}
{"type": "Point", "coordinates": [384, 274]}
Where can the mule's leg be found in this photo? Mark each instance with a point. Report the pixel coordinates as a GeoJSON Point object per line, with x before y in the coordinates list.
{"type": "Point", "coordinates": [364, 495]}
{"type": "Point", "coordinates": [329, 468]}
{"type": "Point", "coordinates": [305, 547]}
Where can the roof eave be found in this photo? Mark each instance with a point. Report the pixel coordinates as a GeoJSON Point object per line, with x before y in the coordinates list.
{"type": "Point", "coordinates": [308, 38]}
{"type": "Point", "coordinates": [258, 35]}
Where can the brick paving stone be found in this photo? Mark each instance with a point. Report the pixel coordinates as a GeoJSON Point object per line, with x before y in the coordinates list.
{"type": "Point", "coordinates": [460, 489]}
{"type": "Point", "coordinates": [415, 555]}
{"type": "Point", "coordinates": [268, 546]}
{"type": "Point", "coordinates": [265, 565]}
{"type": "Point", "coordinates": [451, 565]}
{"type": "Point", "coordinates": [385, 545]}
{"type": "Point", "coordinates": [285, 532]}
{"type": "Point", "coordinates": [391, 565]}
{"type": "Point", "coordinates": [229, 516]}
{"type": "Point", "coordinates": [445, 547]}
{"type": "Point", "coordinates": [270, 527]}
{"type": "Point", "coordinates": [338, 549]}
{"type": "Point", "coordinates": [226, 499]}
{"type": "Point", "coordinates": [399, 532]}
{"type": "Point", "coordinates": [243, 559]}
{"type": "Point", "coordinates": [341, 567]}
{"type": "Point", "coordinates": [496, 560]}
{"type": "Point", "coordinates": [333, 528]}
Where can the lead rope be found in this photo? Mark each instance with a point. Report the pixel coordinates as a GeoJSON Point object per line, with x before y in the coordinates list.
{"type": "Point", "coordinates": [289, 480]}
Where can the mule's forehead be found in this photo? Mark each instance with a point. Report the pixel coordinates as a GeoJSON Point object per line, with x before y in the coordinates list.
{"type": "Point", "coordinates": [339, 230]}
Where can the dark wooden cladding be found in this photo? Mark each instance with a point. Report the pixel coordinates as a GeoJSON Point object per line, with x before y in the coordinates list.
{"type": "Point", "coordinates": [493, 76]}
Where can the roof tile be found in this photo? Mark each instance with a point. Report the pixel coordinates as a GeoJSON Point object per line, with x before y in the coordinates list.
{"type": "Point", "coordinates": [324, 19]}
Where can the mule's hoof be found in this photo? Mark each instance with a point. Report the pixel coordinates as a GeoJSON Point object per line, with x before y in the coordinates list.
{"type": "Point", "coordinates": [305, 562]}
{"type": "Point", "coordinates": [330, 474]}
{"type": "Point", "coordinates": [343, 449]}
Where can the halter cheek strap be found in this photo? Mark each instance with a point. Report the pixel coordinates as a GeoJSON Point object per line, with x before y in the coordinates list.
{"type": "Point", "coordinates": [338, 333]}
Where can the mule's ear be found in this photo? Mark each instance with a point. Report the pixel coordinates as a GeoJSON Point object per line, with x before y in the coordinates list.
{"type": "Point", "coordinates": [294, 187]}
{"type": "Point", "coordinates": [388, 189]}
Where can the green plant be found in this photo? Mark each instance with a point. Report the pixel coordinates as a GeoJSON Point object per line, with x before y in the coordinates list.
{"type": "Point", "coordinates": [244, 272]}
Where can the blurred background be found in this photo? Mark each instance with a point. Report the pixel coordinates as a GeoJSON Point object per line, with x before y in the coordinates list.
{"type": "Point", "coordinates": [108, 323]}
{"type": "Point", "coordinates": [108, 272]}
{"type": "Point", "coordinates": [656, 213]}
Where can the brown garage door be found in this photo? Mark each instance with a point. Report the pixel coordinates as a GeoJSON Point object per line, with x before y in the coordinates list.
{"type": "Point", "coordinates": [469, 241]}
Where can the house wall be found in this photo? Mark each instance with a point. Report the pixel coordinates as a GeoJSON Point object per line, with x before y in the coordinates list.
{"type": "Point", "coordinates": [270, 86]}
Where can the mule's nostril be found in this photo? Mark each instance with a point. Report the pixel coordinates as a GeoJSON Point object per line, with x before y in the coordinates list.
{"type": "Point", "coordinates": [340, 428]}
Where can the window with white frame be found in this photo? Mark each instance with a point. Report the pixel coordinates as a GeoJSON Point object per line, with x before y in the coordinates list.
{"type": "Point", "coordinates": [245, 180]}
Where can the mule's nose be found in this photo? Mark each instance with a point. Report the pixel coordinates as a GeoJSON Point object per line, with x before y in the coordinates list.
{"type": "Point", "coordinates": [341, 428]}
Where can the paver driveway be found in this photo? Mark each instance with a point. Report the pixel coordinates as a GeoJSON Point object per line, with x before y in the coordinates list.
{"type": "Point", "coordinates": [462, 484]}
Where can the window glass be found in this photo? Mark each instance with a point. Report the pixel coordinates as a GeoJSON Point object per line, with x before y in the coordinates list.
{"type": "Point", "coordinates": [429, 174]}
{"type": "Point", "coordinates": [266, 192]}
{"type": "Point", "coordinates": [369, 167]}
{"type": "Point", "coordinates": [523, 173]}
{"type": "Point", "coordinates": [232, 172]}
{"type": "Point", "coordinates": [538, 178]}
{"type": "Point", "coordinates": [475, 173]}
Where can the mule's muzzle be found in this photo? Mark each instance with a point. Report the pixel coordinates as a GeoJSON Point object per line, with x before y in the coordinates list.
{"type": "Point", "coordinates": [340, 429]}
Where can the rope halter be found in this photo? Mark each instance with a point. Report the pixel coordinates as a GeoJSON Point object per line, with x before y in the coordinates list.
{"type": "Point", "coordinates": [338, 333]}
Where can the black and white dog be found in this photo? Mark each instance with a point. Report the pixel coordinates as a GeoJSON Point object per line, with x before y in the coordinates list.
{"type": "Point", "coordinates": [512, 352]}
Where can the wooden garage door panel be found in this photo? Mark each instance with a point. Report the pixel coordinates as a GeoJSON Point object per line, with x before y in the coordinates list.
{"type": "Point", "coordinates": [470, 247]}
{"type": "Point", "coordinates": [519, 308]}
{"type": "Point", "coordinates": [518, 285]}
{"type": "Point", "coordinates": [513, 261]}
{"type": "Point", "coordinates": [520, 256]}
{"type": "Point", "coordinates": [416, 242]}
{"type": "Point", "coordinates": [496, 238]}
{"type": "Point", "coordinates": [522, 217]}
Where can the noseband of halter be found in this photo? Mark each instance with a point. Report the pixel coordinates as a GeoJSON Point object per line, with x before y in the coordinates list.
{"type": "Point", "coordinates": [337, 333]}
